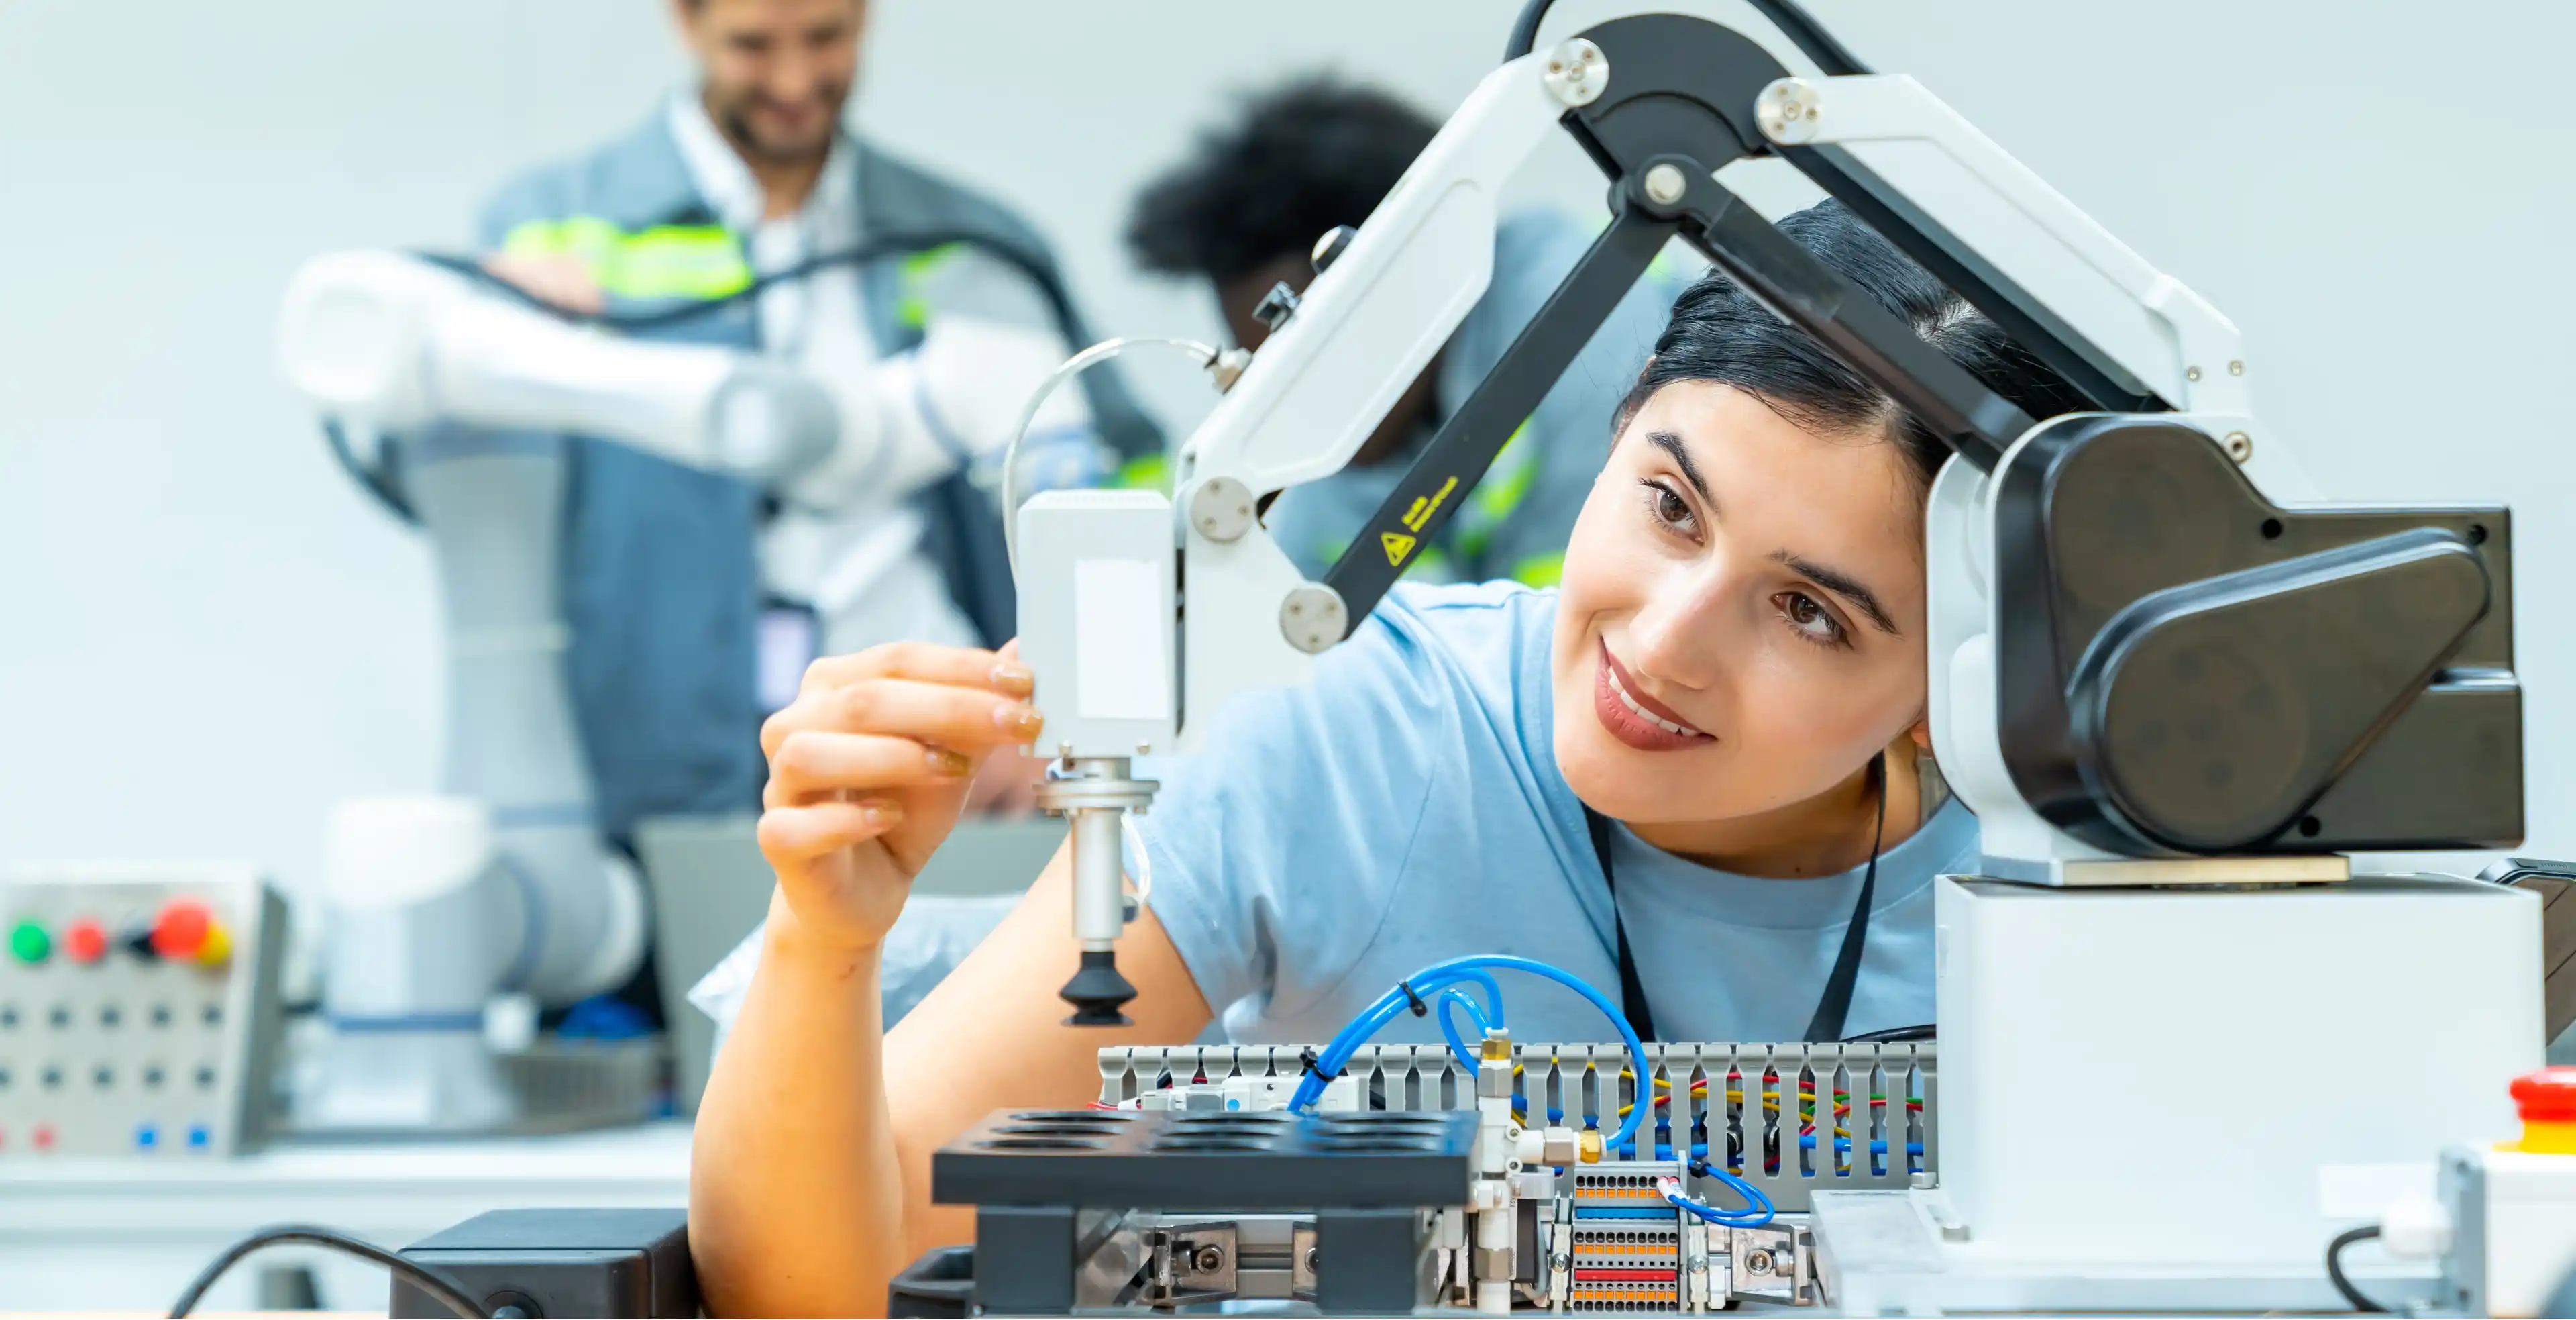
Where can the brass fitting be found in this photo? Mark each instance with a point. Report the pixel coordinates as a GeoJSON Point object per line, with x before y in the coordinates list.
{"type": "Point", "coordinates": [1589, 1146]}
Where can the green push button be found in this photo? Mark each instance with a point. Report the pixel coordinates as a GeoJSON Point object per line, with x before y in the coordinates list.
{"type": "Point", "coordinates": [29, 942]}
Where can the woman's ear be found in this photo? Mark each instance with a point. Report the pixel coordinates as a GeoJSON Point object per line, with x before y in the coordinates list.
{"type": "Point", "coordinates": [1921, 733]}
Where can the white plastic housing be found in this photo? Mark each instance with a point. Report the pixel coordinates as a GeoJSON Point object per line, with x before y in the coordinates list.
{"type": "Point", "coordinates": [1958, 557]}
{"type": "Point", "coordinates": [1097, 605]}
{"type": "Point", "coordinates": [2149, 1079]}
{"type": "Point", "coordinates": [2515, 1236]}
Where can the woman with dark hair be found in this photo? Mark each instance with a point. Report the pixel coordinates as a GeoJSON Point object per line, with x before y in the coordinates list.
{"type": "Point", "coordinates": [1696, 766]}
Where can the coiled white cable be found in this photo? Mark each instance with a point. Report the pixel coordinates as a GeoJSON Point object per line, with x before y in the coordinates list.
{"type": "Point", "coordinates": [1135, 838]}
{"type": "Point", "coordinates": [1073, 366]}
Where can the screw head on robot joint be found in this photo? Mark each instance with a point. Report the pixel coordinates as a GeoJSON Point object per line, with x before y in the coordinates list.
{"type": "Point", "coordinates": [2236, 368]}
{"type": "Point", "coordinates": [1221, 508]}
{"type": "Point", "coordinates": [1577, 72]}
{"type": "Point", "coordinates": [1664, 184]}
{"type": "Point", "coordinates": [2240, 446]}
{"type": "Point", "coordinates": [2191, 373]}
{"type": "Point", "coordinates": [1788, 109]}
{"type": "Point", "coordinates": [1312, 618]}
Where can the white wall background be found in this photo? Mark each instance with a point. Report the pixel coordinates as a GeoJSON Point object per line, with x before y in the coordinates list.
{"type": "Point", "coordinates": [207, 636]}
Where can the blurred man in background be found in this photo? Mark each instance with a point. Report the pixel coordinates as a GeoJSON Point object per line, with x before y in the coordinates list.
{"type": "Point", "coordinates": [1243, 213]}
{"type": "Point", "coordinates": [694, 598]}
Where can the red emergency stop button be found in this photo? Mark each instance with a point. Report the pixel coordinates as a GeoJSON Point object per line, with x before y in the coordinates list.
{"type": "Point", "coordinates": [180, 930]}
{"type": "Point", "coordinates": [85, 940]}
{"type": "Point", "coordinates": [2547, 1096]}
{"type": "Point", "coordinates": [186, 931]}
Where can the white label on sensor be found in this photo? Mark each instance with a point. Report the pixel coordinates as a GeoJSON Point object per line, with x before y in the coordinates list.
{"type": "Point", "coordinates": [1120, 634]}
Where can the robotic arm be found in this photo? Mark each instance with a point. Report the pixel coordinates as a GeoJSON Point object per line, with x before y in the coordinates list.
{"type": "Point", "coordinates": [395, 342]}
{"type": "Point", "coordinates": [2127, 675]}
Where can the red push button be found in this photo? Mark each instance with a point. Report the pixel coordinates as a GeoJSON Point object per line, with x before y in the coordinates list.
{"type": "Point", "coordinates": [85, 940]}
{"type": "Point", "coordinates": [2546, 1096]}
{"type": "Point", "coordinates": [43, 1136]}
{"type": "Point", "coordinates": [180, 931]}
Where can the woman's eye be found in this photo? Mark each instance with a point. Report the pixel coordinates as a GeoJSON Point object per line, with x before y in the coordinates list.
{"type": "Point", "coordinates": [1809, 618]}
{"type": "Point", "coordinates": [1668, 506]}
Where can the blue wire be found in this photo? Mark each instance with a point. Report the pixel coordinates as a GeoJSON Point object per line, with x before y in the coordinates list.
{"type": "Point", "coordinates": [1493, 996]}
{"type": "Point", "coordinates": [1757, 1212]}
{"type": "Point", "coordinates": [1441, 975]}
{"type": "Point", "coordinates": [1449, 1029]}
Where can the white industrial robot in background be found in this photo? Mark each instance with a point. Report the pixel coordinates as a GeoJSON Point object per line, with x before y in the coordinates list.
{"type": "Point", "coordinates": [504, 885]}
{"type": "Point", "coordinates": [2173, 699]}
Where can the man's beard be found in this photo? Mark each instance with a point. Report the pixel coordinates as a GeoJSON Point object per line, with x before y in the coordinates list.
{"type": "Point", "coordinates": [737, 126]}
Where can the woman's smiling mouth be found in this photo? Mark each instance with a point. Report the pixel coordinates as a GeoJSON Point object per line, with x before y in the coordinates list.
{"type": "Point", "coordinates": [1635, 718]}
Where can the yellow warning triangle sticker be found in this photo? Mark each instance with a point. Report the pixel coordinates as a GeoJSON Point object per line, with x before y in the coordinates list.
{"type": "Point", "coordinates": [1398, 545]}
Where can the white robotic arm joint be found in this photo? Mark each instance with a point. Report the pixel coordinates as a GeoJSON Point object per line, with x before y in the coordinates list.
{"type": "Point", "coordinates": [396, 342]}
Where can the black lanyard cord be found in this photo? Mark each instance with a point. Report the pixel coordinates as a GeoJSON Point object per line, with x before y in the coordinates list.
{"type": "Point", "coordinates": [1833, 1009]}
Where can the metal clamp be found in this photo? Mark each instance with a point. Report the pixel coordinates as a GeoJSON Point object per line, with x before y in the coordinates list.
{"type": "Point", "coordinates": [1188, 1263]}
{"type": "Point", "coordinates": [1061, 797]}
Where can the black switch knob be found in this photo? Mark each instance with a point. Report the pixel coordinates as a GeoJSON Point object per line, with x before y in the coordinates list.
{"type": "Point", "coordinates": [138, 941]}
{"type": "Point", "coordinates": [1276, 307]}
{"type": "Point", "coordinates": [1328, 249]}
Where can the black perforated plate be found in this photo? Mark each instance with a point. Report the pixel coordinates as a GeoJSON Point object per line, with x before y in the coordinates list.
{"type": "Point", "coordinates": [1207, 1160]}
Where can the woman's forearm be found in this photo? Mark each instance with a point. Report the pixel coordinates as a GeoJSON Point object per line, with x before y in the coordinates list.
{"type": "Point", "coordinates": [795, 1198]}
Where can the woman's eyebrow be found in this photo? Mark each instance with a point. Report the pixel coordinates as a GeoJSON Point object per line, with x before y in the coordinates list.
{"type": "Point", "coordinates": [1672, 444]}
{"type": "Point", "coordinates": [1841, 584]}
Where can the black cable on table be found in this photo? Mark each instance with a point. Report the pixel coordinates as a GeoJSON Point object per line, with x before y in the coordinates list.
{"type": "Point", "coordinates": [439, 1287]}
{"type": "Point", "coordinates": [2334, 1269]}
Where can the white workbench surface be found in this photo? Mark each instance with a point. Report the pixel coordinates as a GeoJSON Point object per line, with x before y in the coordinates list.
{"type": "Point", "coordinates": [128, 1234]}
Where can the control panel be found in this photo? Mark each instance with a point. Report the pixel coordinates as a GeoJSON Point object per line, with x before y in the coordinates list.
{"type": "Point", "coordinates": [138, 1010]}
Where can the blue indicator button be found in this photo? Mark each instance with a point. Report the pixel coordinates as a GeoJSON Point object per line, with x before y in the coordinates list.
{"type": "Point", "coordinates": [147, 1136]}
{"type": "Point", "coordinates": [198, 1137]}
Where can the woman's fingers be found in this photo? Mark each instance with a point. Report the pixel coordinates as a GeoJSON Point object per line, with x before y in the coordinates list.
{"type": "Point", "coordinates": [812, 761]}
{"type": "Point", "coordinates": [800, 834]}
{"type": "Point", "coordinates": [956, 666]}
{"type": "Point", "coordinates": [966, 719]}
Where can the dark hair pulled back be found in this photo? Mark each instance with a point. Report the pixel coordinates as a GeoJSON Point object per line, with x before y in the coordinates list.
{"type": "Point", "coordinates": [1723, 335]}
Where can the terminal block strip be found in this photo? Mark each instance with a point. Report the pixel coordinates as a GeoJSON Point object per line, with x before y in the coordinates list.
{"type": "Point", "coordinates": [1791, 1118]}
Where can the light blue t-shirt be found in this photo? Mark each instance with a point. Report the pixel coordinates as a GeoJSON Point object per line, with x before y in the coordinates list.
{"type": "Point", "coordinates": [1406, 807]}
